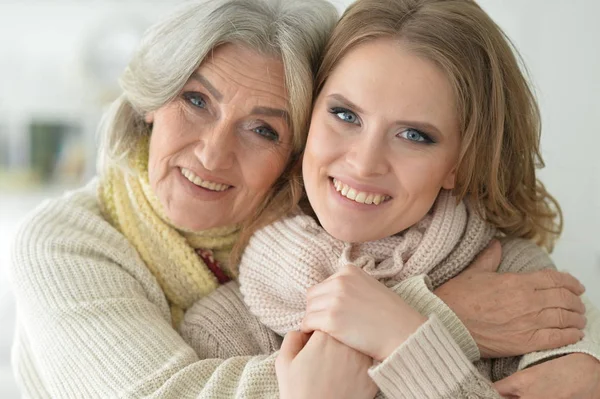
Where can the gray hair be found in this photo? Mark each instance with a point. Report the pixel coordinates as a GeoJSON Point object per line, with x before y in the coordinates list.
{"type": "Point", "coordinates": [173, 49]}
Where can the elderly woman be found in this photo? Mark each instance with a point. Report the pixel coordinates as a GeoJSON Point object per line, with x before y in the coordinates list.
{"type": "Point", "coordinates": [201, 146]}
{"type": "Point", "coordinates": [200, 150]}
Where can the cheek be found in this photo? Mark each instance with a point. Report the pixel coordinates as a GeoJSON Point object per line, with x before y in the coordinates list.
{"type": "Point", "coordinates": [423, 175]}
{"type": "Point", "coordinates": [262, 172]}
{"type": "Point", "coordinates": [322, 147]}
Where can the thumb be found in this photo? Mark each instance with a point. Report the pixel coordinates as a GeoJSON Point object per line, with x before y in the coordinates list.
{"type": "Point", "coordinates": [507, 387]}
{"type": "Point", "coordinates": [488, 260]}
{"type": "Point", "coordinates": [293, 343]}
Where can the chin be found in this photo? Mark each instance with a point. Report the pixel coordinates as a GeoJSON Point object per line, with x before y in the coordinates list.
{"type": "Point", "coordinates": [346, 233]}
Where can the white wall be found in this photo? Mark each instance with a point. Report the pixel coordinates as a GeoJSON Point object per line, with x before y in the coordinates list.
{"type": "Point", "coordinates": [560, 42]}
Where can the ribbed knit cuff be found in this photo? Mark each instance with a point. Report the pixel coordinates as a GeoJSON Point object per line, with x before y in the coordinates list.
{"type": "Point", "coordinates": [427, 365]}
{"type": "Point", "coordinates": [416, 293]}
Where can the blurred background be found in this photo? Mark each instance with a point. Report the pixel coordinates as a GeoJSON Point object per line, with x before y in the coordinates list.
{"type": "Point", "coordinates": [60, 60]}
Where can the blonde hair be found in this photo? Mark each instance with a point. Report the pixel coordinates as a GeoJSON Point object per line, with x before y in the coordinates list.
{"type": "Point", "coordinates": [174, 48]}
{"type": "Point", "coordinates": [499, 116]}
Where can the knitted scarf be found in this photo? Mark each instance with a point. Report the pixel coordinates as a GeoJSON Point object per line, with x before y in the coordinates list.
{"type": "Point", "coordinates": [286, 258]}
{"type": "Point", "coordinates": [184, 263]}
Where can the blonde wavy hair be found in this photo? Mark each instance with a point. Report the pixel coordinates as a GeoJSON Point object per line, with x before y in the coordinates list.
{"type": "Point", "coordinates": [498, 113]}
{"type": "Point", "coordinates": [170, 51]}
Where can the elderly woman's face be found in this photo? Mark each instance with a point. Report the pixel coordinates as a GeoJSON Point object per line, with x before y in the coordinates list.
{"type": "Point", "coordinates": [216, 150]}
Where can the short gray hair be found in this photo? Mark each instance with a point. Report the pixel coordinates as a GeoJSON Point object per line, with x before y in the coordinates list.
{"type": "Point", "coordinates": [173, 49]}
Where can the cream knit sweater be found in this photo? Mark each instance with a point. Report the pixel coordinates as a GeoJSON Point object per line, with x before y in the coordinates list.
{"type": "Point", "coordinates": [94, 323]}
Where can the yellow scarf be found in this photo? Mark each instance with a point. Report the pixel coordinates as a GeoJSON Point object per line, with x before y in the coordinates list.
{"type": "Point", "coordinates": [131, 206]}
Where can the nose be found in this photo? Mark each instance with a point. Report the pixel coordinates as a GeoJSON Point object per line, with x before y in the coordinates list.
{"type": "Point", "coordinates": [367, 155]}
{"type": "Point", "coordinates": [216, 146]}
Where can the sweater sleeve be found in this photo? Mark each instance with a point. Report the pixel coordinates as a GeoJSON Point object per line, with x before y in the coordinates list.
{"type": "Point", "coordinates": [522, 256]}
{"type": "Point", "coordinates": [430, 364]}
{"type": "Point", "coordinates": [93, 322]}
{"type": "Point", "coordinates": [416, 292]}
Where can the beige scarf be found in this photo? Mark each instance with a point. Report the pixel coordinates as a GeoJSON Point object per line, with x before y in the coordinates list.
{"type": "Point", "coordinates": [286, 258]}
{"type": "Point", "coordinates": [170, 253]}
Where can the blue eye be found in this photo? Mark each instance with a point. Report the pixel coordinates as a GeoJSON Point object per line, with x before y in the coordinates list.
{"type": "Point", "coordinates": [267, 133]}
{"type": "Point", "coordinates": [415, 135]}
{"type": "Point", "coordinates": [195, 99]}
{"type": "Point", "coordinates": [344, 114]}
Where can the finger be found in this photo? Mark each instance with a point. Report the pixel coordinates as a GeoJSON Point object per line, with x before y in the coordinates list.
{"type": "Point", "coordinates": [508, 387]}
{"type": "Point", "coordinates": [292, 344]}
{"type": "Point", "coordinates": [316, 321]}
{"type": "Point", "coordinates": [549, 278]}
{"type": "Point", "coordinates": [552, 338]}
{"type": "Point", "coordinates": [321, 302]}
{"type": "Point", "coordinates": [334, 284]}
{"type": "Point", "coordinates": [488, 260]}
{"type": "Point", "coordinates": [560, 298]}
{"type": "Point", "coordinates": [561, 318]}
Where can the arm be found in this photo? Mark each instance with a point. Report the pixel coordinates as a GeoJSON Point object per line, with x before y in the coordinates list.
{"type": "Point", "coordinates": [522, 256]}
{"type": "Point", "coordinates": [93, 322]}
{"type": "Point", "coordinates": [429, 364]}
{"type": "Point", "coordinates": [419, 357]}
{"type": "Point", "coordinates": [497, 308]}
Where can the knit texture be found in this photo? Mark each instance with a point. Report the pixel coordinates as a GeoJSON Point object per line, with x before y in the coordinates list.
{"type": "Point", "coordinates": [93, 321]}
{"type": "Point", "coordinates": [285, 259]}
{"type": "Point", "coordinates": [130, 205]}
{"type": "Point", "coordinates": [429, 365]}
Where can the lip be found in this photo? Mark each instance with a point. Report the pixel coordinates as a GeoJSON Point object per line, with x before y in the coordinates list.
{"type": "Point", "coordinates": [360, 186]}
{"type": "Point", "coordinates": [198, 192]}
{"type": "Point", "coordinates": [348, 203]}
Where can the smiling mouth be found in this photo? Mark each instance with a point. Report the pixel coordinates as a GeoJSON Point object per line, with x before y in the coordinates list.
{"type": "Point", "coordinates": [212, 186]}
{"type": "Point", "coordinates": [362, 197]}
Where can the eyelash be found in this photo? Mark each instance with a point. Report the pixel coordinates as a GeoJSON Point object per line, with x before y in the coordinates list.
{"type": "Point", "coordinates": [340, 110]}
{"type": "Point", "coordinates": [270, 134]}
{"type": "Point", "coordinates": [335, 111]}
{"type": "Point", "coordinates": [189, 97]}
{"type": "Point", "coordinates": [426, 138]}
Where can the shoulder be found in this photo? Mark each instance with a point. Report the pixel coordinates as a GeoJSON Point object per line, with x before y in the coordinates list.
{"type": "Point", "coordinates": [69, 224]}
{"type": "Point", "coordinates": [66, 248]}
{"type": "Point", "coordinates": [520, 255]}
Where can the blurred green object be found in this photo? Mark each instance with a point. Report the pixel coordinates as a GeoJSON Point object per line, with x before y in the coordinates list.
{"type": "Point", "coordinates": [45, 144]}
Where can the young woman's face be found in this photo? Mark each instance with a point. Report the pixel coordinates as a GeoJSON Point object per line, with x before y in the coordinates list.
{"type": "Point", "coordinates": [217, 149]}
{"type": "Point", "coordinates": [384, 139]}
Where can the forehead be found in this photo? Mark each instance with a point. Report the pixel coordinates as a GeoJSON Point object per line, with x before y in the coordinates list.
{"type": "Point", "coordinates": [232, 68]}
{"type": "Point", "coordinates": [386, 71]}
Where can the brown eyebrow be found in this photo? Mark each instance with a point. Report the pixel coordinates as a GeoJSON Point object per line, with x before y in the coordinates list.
{"type": "Point", "coordinates": [349, 103]}
{"type": "Point", "coordinates": [425, 126]}
{"type": "Point", "coordinates": [215, 93]}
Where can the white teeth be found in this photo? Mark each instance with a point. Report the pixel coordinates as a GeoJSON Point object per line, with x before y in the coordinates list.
{"type": "Point", "coordinates": [351, 194]}
{"type": "Point", "coordinates": [359, 196]}
{"type": "Point", "coordinates": [188, 174]}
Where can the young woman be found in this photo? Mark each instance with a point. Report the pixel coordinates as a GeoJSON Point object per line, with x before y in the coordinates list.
{"type": "Point", "coordinates": [423, 148]}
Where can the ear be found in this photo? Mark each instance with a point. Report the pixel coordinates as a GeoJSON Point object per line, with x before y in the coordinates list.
{"type": "Point", "coordinates": [149, 118]}
{"type": "Point", "coordinates": [450, 180]}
